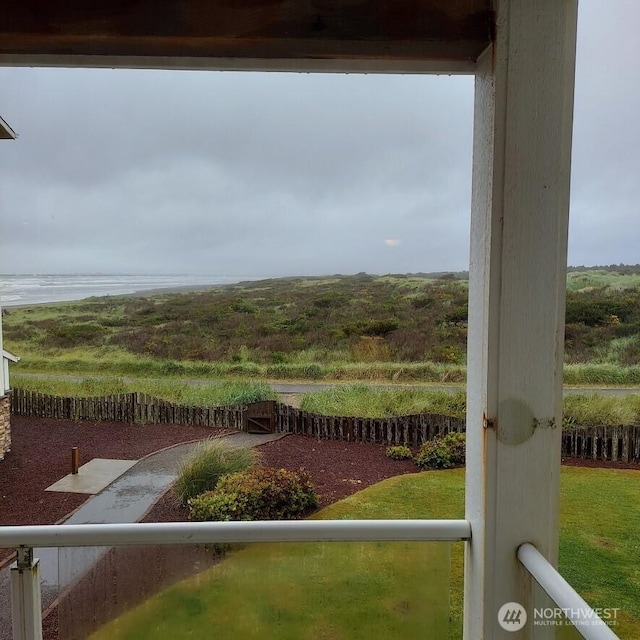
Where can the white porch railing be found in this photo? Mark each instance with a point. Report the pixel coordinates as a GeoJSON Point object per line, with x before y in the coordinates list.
{"type": "Point", "coordinates": [25, 577]}
{"type": "Point", "coordinates": [585, 620]}
{"type": "Point", "coordinates": [139, 534]}
{"type": "Point", "coordinates": [25, 574]}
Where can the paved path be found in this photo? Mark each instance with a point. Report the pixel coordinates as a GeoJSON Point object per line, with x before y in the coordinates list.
{"type": "Point", "coordinates": [126, 499]}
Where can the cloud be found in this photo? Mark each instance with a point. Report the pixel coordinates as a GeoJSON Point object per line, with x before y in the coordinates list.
{"type": "Point", "coordinates": [275, 174]}
{"type": "Point", "coordinates": [231, 173]}
{"type": "Point", "coordinates": [393, 242]}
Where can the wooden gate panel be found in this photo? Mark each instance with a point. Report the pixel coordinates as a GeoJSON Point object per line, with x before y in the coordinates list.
{"type": "Point", "coordinates": [260, 417]}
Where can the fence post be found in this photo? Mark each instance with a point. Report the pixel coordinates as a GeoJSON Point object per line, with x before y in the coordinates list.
{"type": "Point", "coordinates": [26, 603]}
{"type": "Point", "coordinates": [137, 408]}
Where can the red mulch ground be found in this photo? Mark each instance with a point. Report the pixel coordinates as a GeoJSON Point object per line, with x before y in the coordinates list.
{"type": "Point", "coordinates": [41, 454]}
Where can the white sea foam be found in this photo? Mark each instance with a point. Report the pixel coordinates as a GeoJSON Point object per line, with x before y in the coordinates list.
{"type": "Point", "coordinates": [38, 289]}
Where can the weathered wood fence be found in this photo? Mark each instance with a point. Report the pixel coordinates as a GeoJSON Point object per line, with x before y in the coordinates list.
{"type": "Point", "coordinates": [412, 430]}
{"type": "Point", "coordinates": [610, 443]}
{"type": "Point", "coordinates": [272, 416]}
{"type": "Point", "coordinates": [139, 408]}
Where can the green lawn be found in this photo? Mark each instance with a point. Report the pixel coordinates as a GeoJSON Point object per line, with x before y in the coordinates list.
{"type": "Point", "coordinates": [600, 540]}
{"type": "Point", "coordinates": [394, 590]}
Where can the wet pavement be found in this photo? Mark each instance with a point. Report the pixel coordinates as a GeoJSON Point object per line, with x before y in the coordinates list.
{"type": "Point", "coordinates": [92, 477]}
{"type": "Point", "coordinates": [126, 499]}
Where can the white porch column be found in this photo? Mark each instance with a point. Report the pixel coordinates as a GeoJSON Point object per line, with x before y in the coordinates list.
{"type": "Point", "coordinates": [520, 203]}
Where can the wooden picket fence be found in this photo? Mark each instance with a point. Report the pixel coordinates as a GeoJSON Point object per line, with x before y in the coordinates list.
{"type": "Point", "coordinates": [139, 408]}
{"type": "Point", "coordinates": [411, 430]}
{"type": "Point", "coordinates": [610, 443]}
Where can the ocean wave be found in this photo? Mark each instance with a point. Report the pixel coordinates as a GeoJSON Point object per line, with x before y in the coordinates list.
{"type": "Point", "coordinates": [39, 289]}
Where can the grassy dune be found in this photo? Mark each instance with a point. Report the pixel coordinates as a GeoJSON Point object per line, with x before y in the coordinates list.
{"type": "Point", "coordinates": [398, 328]}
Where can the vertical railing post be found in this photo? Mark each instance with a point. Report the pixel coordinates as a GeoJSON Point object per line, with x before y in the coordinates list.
{"type": "Point", "coordinates": [26, 603]}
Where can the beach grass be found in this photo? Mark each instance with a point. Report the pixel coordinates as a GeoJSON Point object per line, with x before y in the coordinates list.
{"type": "Point", "coordinates": [597, 410]}
{"type": "Point", "coordinates": [375, 402]}
{"type": "Point", "coordinates": [215, 394]}
{"type": "Point", "coordinates": [117, 362]}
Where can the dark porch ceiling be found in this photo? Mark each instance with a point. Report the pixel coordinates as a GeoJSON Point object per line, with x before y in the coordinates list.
{"type": "Point", "coordinates": [63, 31]}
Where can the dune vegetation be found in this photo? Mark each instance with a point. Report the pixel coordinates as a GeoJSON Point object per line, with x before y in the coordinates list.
{"type": "Point", "coordinates": [398, 328]}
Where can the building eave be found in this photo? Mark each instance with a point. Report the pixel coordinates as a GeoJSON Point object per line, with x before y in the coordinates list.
{"type": "Point", "coordinates": [6, 132]}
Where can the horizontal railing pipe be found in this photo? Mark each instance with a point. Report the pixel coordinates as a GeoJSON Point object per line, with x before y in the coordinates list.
{"type": "Point", "coordinates": [138, 534]}
{"type": "Point", "coordinates": [585, 620]}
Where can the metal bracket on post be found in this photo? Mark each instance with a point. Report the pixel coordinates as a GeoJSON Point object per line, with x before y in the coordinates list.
{"type": "Point", "coordinates": [24, 559]}
{"type": "Point", "coordinates": [26, 602]}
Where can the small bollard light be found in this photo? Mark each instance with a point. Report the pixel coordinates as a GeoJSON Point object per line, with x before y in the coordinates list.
{"type": "Point", "coordinates": [75, 460]}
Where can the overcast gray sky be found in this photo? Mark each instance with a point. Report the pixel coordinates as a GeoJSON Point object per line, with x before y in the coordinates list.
{"type": "Point", "coordinates": [279, 174]}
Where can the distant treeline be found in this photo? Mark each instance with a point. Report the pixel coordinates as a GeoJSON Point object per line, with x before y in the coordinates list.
{"type": "Point", "coordinates": [622, 269]}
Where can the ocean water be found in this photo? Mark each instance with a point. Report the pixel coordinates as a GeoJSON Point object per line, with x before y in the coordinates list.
{"type": "Point", "coordinates": [38, 289]}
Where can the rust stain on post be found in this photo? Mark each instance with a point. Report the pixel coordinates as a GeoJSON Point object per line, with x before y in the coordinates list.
{"type": "Point", "coordinates": [488, 423]}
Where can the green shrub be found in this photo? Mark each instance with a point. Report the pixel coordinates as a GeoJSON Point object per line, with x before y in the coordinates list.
{"type": "Point", "coordinates": [260, 494]}
{"type": "Point", "coordinates": [442, 453]}
{"type": "Point", "coordinates": [456, 443]}
{"type": "Point", "coordinates": [399, 452]}
{"type": "Point", "coordinates": [73, 335]}
{"type": "Point", "coordinates": [434, 455]}
{"type": "Point", "coordinates": [210, 460]}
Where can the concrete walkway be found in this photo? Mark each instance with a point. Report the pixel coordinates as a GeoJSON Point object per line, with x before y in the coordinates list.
{"type": "Point", "coordinates": [126, 499]}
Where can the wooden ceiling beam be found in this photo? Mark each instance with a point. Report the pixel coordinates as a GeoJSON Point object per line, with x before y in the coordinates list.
{"type": "Point", "coordinates": [440, 31]}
